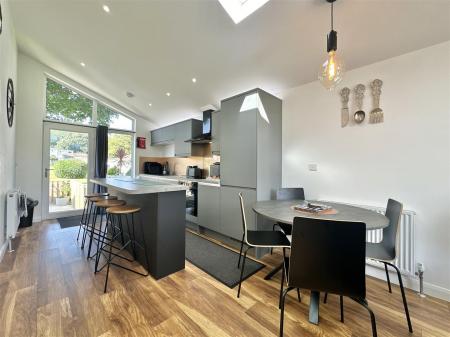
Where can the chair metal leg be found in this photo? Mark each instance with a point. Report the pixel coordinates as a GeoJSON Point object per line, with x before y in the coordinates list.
{"type": "Point", "coordinates": [282, 278]}
{"type": "Point", "coordinates": [242, 272]}
{"type": "Point", "coordinates": [107, 268]}
{"type": "Point", "coordinates": [341, 301]}
{"type": "Point", "coordinates": [273, 229]}
{"type": "Point", "coordinates": [82, 221]}
{"type": "Point", "coordinates": [283, 299]}
{"type": "Point", "coordinates": [364, 303]}
{"type": "Point", "coordinates": [298, 295]}
{"type": "Point", "coordinates": [402, 289]}
{"type": "Point", "coordinates": [387, 278]}
{"type": "Point", "coordinates": [92, 231]}
{"type": "Point", "coordinates": [325, 298]}
{"type": "Point", "coordinates": [240, 252]}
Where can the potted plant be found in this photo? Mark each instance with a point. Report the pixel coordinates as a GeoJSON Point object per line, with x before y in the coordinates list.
{"type": "Point", "coordinates": [63, 197]}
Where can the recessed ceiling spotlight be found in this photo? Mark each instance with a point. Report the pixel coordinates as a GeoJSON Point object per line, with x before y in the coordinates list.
{"type": "Point", "coordinates": [106, 8]}
{"type": "Point", "coordinates": [149, 104]}
{"type": "Point", "coordinates": [194, 80]}
{"type": "Point", "coordinates": [82, 64]}
{"type": "Point", "coordinates": [167, 94]}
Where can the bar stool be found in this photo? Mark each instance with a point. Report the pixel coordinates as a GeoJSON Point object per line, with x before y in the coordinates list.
{"type": "Point", "coordinates": [100, 206]}
{"type": "Point", "coordinates": [91, 207]}
{"type": "Point", "coordinates": [115, 215]}
{"type": "Point", "coordinates": [86, 214]}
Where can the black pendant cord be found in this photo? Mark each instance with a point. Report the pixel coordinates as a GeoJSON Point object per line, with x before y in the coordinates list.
{"type": "Point", "coordinates": [332, 23]}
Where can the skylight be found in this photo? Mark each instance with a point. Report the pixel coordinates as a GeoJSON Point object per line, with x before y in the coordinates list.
{"type": "Point", "coordinates": [240, 9]}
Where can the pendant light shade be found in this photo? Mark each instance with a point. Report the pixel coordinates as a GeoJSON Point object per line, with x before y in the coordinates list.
{"type": "Point", "coordinates": [331, 71]}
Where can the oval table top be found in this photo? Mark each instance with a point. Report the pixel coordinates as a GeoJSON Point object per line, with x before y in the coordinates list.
{"type": "Point", "coordinates": [281, 211]}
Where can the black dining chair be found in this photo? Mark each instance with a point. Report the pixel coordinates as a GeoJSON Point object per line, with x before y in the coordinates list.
{"type": "Point", "coordinates": [265, 239]}
{"type": "Point", "coordinates": [386, 251]}
{"type": "Point", "coordinates": [328, 256]}
{"type": "Point", "coordinates": [287, 193]}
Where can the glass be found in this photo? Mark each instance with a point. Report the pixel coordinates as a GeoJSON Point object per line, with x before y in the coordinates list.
{"type": "Point", "coordinates": [66, 105]}
{"type": "Point", "coordinates": [120, 154]}
{"type": "Point", "coordinates": [68, 170]}
{"type": "Point", "coordinates": [113, 119]}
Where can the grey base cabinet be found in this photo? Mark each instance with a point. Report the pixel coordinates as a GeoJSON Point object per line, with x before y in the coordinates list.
{"type": "Point", "coordinates": [209, 207]}
{"type": "Point", "coordinates": [230, 211]}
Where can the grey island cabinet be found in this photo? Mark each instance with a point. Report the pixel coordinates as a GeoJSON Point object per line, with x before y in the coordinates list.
{"type": "Point", "coordinates": [161, 223]}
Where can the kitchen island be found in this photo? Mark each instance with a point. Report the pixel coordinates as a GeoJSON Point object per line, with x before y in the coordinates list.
{"type": "Point", "coordinates": [162, 217]}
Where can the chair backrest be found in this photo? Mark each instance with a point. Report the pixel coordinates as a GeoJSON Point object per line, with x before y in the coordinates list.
{"type": "Point", "coordinates": [288, 193]}
{"type": "Point", "coordinates": [328, 256]}
{"type": "Point", "coordinates": [394, 210]}
{"type": "Point", "coordinates": [244, 221]}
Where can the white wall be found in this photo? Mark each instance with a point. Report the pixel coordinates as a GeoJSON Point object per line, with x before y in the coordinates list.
{"type": "Point", "coordinates": [8, 69]}
{"type": "Point", "coordinates": [406, 158]}
{"type": "Point", "coordinates": [30, 115]}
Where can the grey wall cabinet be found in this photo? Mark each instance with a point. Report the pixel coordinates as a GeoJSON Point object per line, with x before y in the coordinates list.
{"type": "Point", "coordinates": [209, 207]}
{"type": "Point", "coordinates": [215, 133]}
{"type": "Point", "coordinates": [238, 144]}
{"type": "Point", "coordinates": [163, 135]}
{"type": "Point", "coordinates": [230, 211]}
{"type": "Point", "coordinates": [177, 134]}
{"type": "Point", "coordinates": [185, 130]}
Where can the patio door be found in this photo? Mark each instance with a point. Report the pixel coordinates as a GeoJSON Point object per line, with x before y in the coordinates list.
{"type": "Point", "coordinates": [68, 165]}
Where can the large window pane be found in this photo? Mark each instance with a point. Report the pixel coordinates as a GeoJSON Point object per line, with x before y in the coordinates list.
{"type": "Point", "coordinates": [65, 105]}
{"type": "Point", "coordinates": [113, 119]}
{"type": "Point", "coordinates": [120, 154]}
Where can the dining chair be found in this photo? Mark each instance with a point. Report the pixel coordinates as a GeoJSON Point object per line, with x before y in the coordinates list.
{"type": "Point", "coordinates": [386, 251]}
{"type": "Point", "coordinates": [287, 193]}
{"type": "Point", "coordinates": [328, 256]}
{"type": "Point", "coordinates": [264, 239]}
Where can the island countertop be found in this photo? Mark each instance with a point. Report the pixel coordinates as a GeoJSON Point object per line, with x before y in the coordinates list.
{"type": "Point", "coordinates": [131, 185]}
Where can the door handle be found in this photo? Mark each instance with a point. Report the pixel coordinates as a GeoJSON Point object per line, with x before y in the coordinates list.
{"type": "Point", "coordinates": [46, 172]}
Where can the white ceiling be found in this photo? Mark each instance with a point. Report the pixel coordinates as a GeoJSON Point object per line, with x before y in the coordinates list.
{"type": "Point", "coordinates": [151, 47]}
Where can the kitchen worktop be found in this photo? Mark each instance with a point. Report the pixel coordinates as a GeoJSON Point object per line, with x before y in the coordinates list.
{"type": "Point", "coordinates": [138, 185]}
{"type": "Point", "coordinates": [207, 181]}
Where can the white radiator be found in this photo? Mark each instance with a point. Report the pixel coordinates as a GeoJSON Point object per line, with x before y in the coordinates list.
{"type": "Point", "coordinates": [406, 260]}
{"type": "Point", "coordinates": [12, 214]}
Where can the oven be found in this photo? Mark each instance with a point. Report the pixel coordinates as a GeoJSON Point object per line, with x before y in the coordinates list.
{"type": "Point", "coordinates": [191, 197]}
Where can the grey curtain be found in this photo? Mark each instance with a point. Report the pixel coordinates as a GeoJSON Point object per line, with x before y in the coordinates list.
{"type": "Point", "coordinates": [101, 156]}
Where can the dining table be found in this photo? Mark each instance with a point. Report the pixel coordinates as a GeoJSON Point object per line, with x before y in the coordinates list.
{"type": "Point", "coordinates": [283, 211]}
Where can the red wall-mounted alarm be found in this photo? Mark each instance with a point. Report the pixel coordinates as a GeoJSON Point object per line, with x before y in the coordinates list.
{"type": "Point", "coordinates": [140, 142]}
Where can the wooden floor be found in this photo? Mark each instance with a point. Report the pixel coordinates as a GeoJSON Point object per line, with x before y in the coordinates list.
{"type": "Point", "coordinates": [47, 288]}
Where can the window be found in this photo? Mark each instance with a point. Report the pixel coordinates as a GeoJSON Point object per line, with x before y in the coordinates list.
{"type": "Point", "coordinates": [120, 154]}
{"type": "Point", "coordinates": [113, 119]}
{"type": "Point", "coordinates": [66, 105]}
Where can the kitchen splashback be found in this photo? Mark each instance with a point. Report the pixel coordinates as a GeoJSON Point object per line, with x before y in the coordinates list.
{"type": "Point", "coordinates": [177, 166]}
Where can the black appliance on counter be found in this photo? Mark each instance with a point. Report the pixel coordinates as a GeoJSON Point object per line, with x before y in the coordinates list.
{"type": "Point", "coordinates": [193, 172]}
{"type": "Point", "coordinates": [214, 170]}
{"type": "Point", "coordinates": [151, 167]}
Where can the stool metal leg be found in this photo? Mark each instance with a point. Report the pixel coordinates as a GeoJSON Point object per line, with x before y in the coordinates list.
{"type": "Point", "coordinates": [82, 217]}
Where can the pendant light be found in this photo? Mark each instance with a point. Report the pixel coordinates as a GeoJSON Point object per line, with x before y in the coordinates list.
{"type": "Point", "coordinates": [332, 69]}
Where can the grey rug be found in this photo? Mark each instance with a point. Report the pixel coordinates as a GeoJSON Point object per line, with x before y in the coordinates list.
{"type": "Point", "coordinates": [70, 221]}
{"type": "Point", "coordinates": [218, 261]}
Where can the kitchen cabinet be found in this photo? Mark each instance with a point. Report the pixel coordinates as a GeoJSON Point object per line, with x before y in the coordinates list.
{"type": "Point", "coordinates": [215, 132]}
{"type": "Point", "coordinates": [177, 134]}
{"type": "Point", "coordinates": [238, 144]}
{"type": "Point", "coordinates": [186, 130]}
{"type": "Point", "coordinates": [209, 207]}
{"type": "Point", "coordinates": [162, 136]}
{"type": "Point", "coordinates": [230, 211]}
